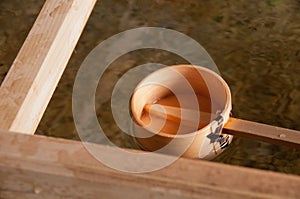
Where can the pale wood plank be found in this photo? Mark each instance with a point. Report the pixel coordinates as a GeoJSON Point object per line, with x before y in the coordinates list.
{"type": "Point", "coordinates": [55, 168]}
{"type": "Point", "coordinates": [31, 81]}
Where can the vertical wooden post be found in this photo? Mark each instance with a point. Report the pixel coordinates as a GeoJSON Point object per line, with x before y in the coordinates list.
{"type": "Point", "coordinates": [34, 75]}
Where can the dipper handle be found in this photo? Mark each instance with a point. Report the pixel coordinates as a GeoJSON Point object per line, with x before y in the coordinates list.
{"type": "Point", "coordinates": [234, 126]}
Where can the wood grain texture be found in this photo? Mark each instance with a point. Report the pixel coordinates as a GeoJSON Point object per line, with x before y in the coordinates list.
{"type": "Point", "coordinates": [42, 167]}
{"type": "Point", "coordinates": [33, 77]}
{"type": "Point", "coordinates": [264, 132]}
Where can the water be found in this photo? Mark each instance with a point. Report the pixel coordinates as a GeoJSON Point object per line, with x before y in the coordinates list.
{"type": "Point", "coordinates": [255, 44]}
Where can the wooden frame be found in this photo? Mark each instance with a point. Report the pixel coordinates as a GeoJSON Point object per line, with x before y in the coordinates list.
{"type": "Point", "coordinates": [43, 167]}
{"type": "Point", "coordinates": [33, 77]}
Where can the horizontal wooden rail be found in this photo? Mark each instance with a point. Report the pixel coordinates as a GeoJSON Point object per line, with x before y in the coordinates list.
{"type": "Point", "coordinates": [32, 79]}
{"type": "Point", "coordinates": [43, 167]}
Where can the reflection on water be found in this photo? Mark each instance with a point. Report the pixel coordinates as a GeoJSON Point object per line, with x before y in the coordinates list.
{"type": "Point", "coordinates": [255, 44]}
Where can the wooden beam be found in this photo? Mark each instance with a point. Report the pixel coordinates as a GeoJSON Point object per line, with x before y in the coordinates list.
{"type": "Point", "coordinates": [264, 132]}
{"type": "Point", "coordinates": [33, 77]}
{"type": "Point", "coordinates": [43, 167]}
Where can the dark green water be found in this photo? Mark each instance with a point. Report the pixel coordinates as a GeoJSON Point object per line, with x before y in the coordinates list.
{"type": "Point", "coordinates": [255, 44]}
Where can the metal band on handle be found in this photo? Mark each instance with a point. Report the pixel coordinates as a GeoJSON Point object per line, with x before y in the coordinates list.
{"type": "Point", "coordinates": [219, 140]}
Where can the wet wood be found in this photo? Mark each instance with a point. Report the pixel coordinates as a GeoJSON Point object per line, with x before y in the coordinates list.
{"type": "Point", "coordinates": [264, 132]}
{"type": "Point", "coordinates": [43, 167]}
{"type": "Point", "coordinates": [164, 114]}
{"type": "Point", "coordinates": [188, 87]}
{"type": "Point", "coordinates": [172, 120]}
{"type": "Point", "coordinates": [32, 79]}
{"type": "Point", "coordinates": [176, 114]}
